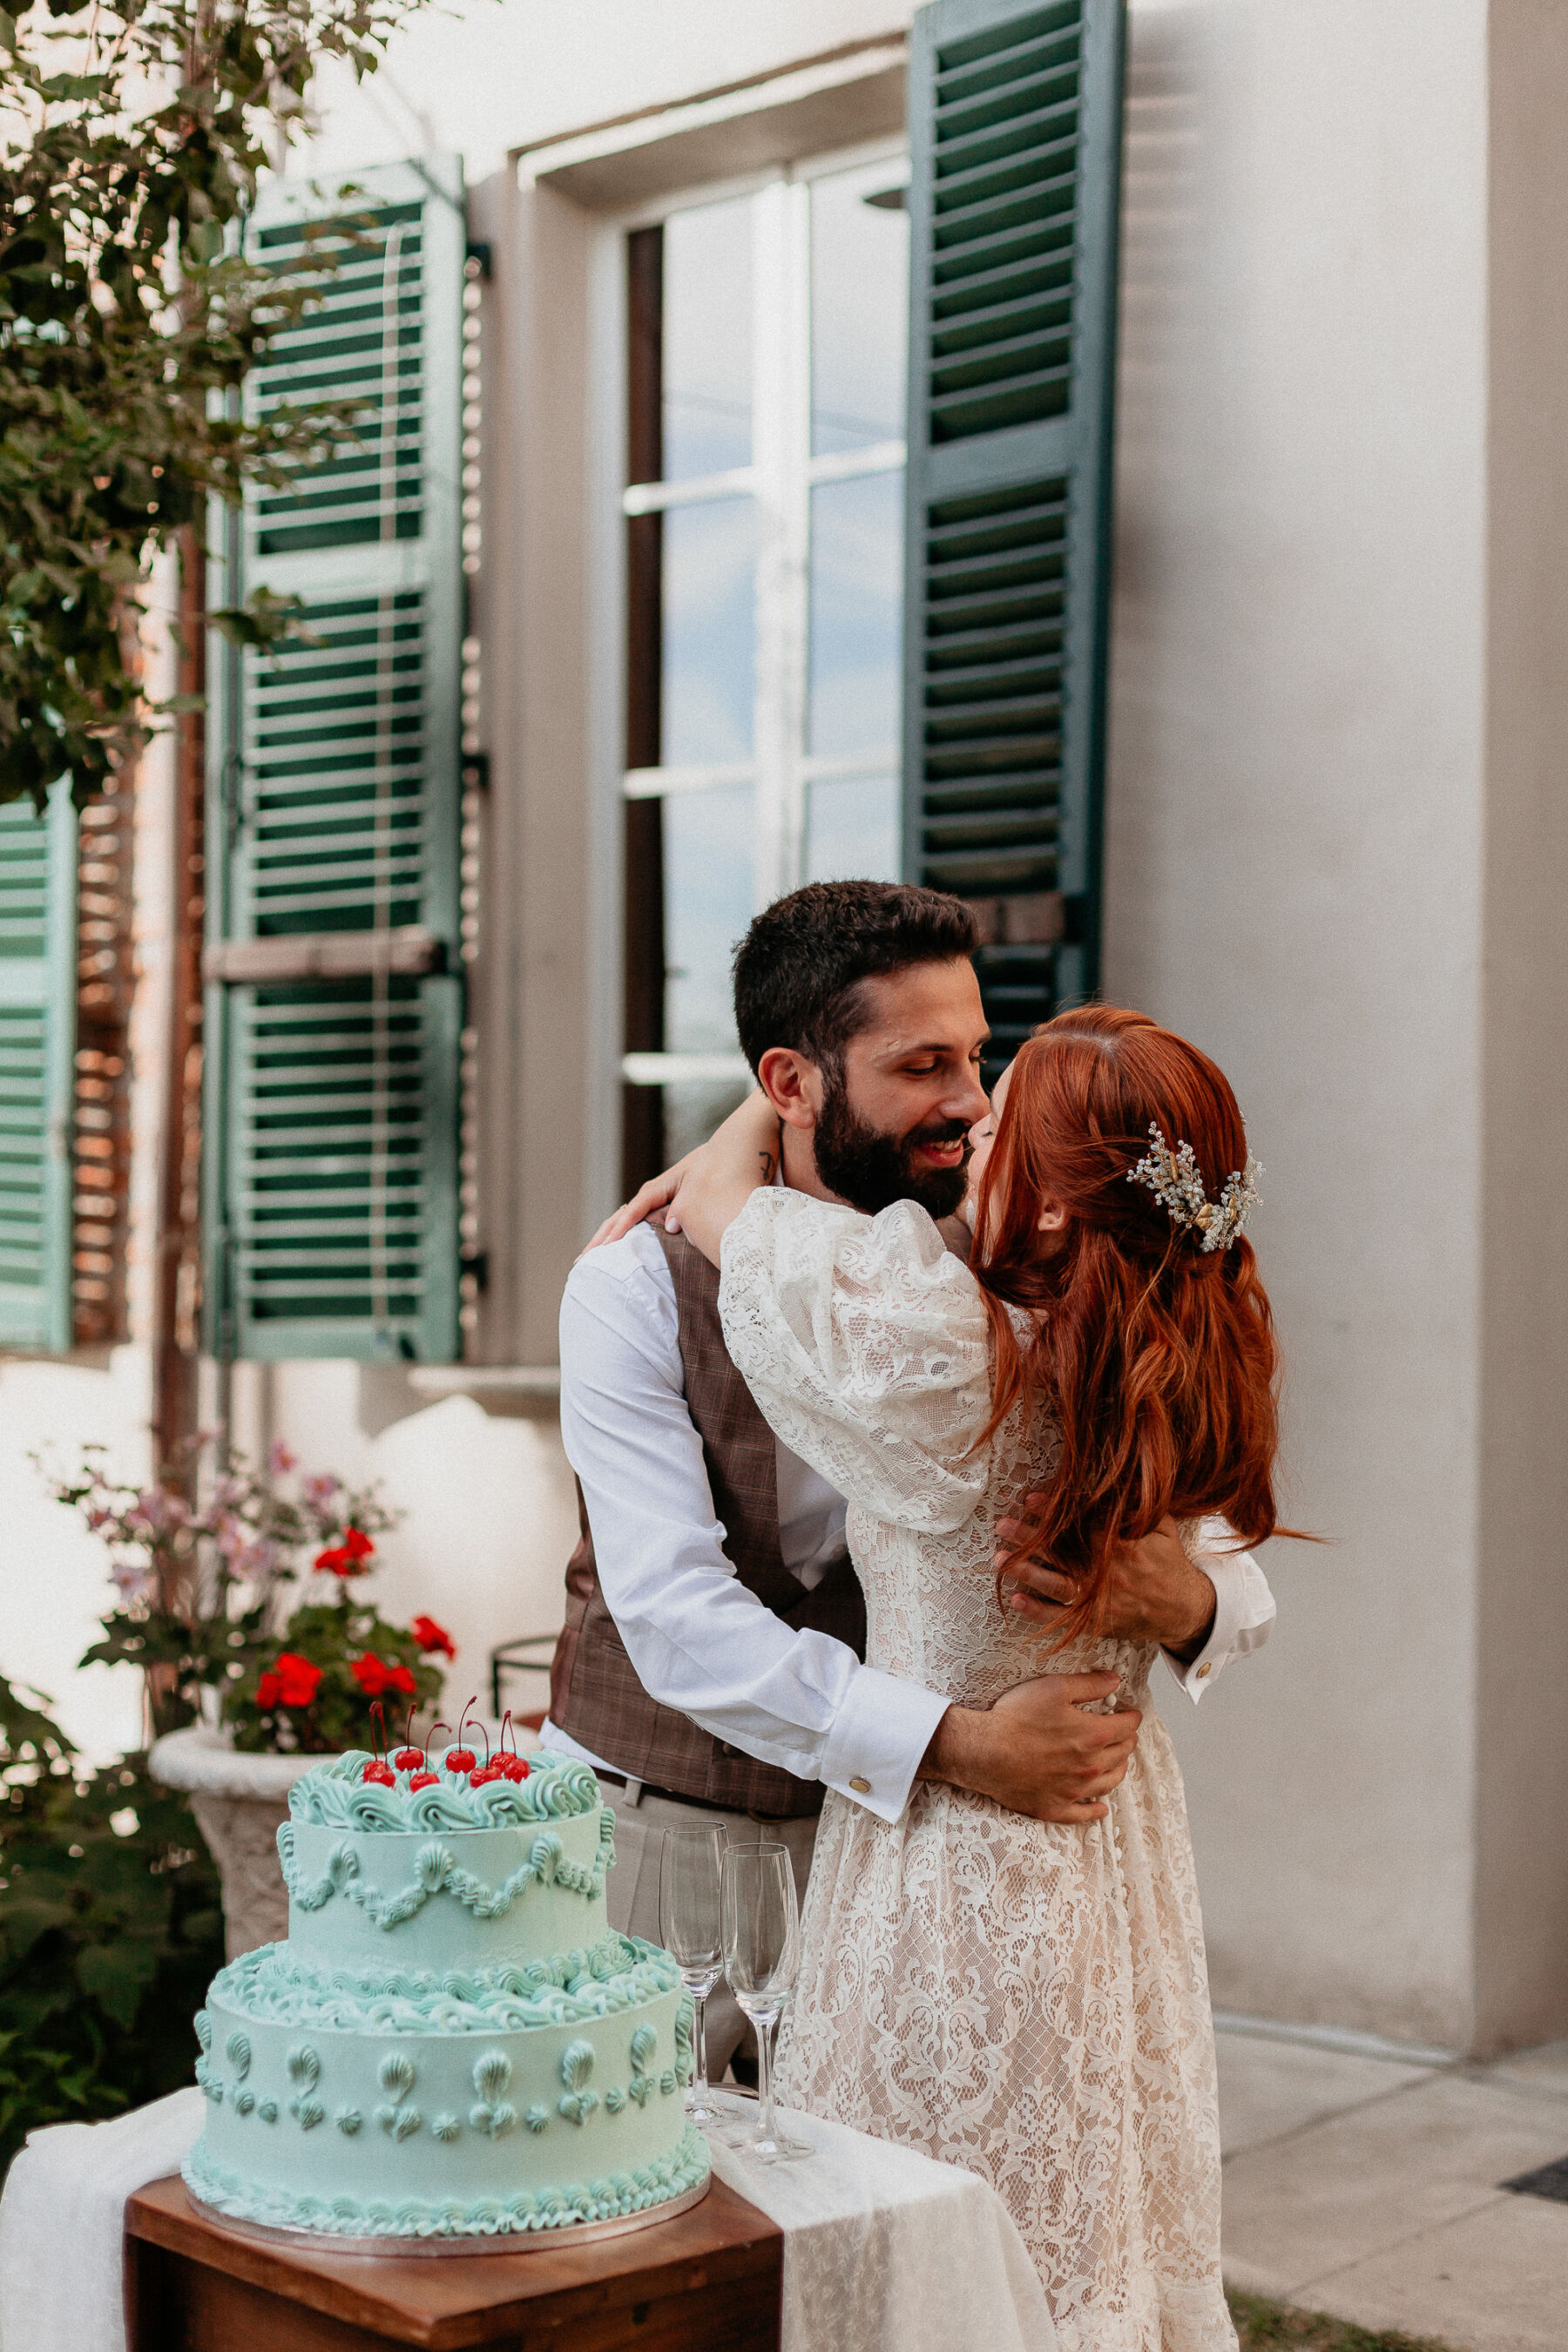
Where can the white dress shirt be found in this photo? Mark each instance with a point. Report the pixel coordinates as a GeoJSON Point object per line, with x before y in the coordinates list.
{"type": "Point", "coordinates": [698, 1639]}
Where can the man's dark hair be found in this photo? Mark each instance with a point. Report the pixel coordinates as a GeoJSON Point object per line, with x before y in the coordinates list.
{"type": "Point", "coordinates": [799, 968]}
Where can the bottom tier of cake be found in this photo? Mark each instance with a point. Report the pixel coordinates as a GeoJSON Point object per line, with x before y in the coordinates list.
{"type": "Point", "coordinates": [450, 2109]}
{"type": "Point", "coordinates": [609, 2197]}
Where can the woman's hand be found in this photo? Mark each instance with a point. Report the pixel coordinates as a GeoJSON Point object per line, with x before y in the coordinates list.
{"type": "Point", "coordinates": [647, 1202]}
{"type": "Point", "coordinates": [712, 1184]}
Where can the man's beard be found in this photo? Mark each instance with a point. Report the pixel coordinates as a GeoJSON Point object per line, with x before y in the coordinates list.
{"type": "Point", "coordinates": [871, 1170]}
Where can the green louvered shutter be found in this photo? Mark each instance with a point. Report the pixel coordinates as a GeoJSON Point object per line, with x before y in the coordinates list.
{"type": "Point", "coordinates": [38, 1041]}
{"type": "Point", "coordinates": [1015, 119]}
{"type": "Point", "coordinates": [334, 996]}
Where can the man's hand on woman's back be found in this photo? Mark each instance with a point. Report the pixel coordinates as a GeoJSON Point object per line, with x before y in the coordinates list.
{"type": "Point", "coordinates": [1038, 1750]}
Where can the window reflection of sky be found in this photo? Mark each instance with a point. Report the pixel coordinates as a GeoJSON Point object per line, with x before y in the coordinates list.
{"type": "Point", "coordinates": [707, 903]}
{"type": "Point", "coordinates": [857, 555]}
{"type": "Point", "coordinates": [708, 340]}
{"type": "Point", "coordinates": [709, 557]}
{"type": "Point", "coordinates": [859, 318]}
{"type": "Point", "coordinates": [859, 293]}
{"type": "Point", "coordinates": [852, 830]}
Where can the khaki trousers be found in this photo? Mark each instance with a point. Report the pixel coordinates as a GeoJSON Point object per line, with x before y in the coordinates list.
{"type": "Point", "coordinates": [631, 1892]}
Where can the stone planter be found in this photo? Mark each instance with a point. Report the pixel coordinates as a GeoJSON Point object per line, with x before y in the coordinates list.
{"type": "Point", "coordinates": [238, 1801]}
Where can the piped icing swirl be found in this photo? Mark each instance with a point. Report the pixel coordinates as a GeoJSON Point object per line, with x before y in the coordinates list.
{"type": "Point", "coordinates": [618, 1974]}
{"type": "Point", "coordinates": [332, 1795]}
{"type": "Point", "coordinates": [610, 2196]}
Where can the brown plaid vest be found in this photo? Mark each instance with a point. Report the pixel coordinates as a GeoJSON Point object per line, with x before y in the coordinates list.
{"type": "Point", "coordinates": [594, 1693]}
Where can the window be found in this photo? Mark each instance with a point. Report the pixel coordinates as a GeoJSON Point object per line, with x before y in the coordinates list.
{"type": "Point", "coordinates": [764, 557]}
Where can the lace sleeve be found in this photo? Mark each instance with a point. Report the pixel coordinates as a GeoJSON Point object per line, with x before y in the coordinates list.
{"type": "Point", "coordinates": [866, 1344]}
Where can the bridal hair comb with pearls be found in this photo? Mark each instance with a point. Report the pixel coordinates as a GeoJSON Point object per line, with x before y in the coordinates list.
{"type": "Point", "coordinates": [1174, 1179]}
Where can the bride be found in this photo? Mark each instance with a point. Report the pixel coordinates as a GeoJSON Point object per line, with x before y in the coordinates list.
{"type": "Point", "coordinates": [1025, 1999]}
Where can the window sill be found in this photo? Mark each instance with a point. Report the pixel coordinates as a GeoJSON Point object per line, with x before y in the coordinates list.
{"type": "Point", "coordinates": [498, 1387]}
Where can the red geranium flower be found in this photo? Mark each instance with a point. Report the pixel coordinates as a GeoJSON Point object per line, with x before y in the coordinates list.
{"type": "Point", "coordinates": [431, 1636]}
{"type": "Point", "coordinates": [298, 1679]}
{"type": "Point", "coordinates": [377, 1678]}
{"type": "Point", "coordinates": [349, 1557]}
{"type": "Point", "coordinates": [268, 1690]}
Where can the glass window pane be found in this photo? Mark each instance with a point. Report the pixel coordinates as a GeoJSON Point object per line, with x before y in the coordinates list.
{"type": "Point", "coordinates": [857, 607]}
{"type": "Point", "coordinates": [852, 830]}
{"type": "Point", "coordinates": [859, 322]}
{"type": "Point", "coordinates": [708, 340]}
{"type": "Point", "coordinates": [709, 555]}
{"type": "Point", "coordinates": [694, 1109]}
{"type": "Point", "coordinates": [708, 888]}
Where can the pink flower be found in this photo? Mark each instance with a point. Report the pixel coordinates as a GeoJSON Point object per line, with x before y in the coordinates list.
{"type": "Point", "coordinates": [318, 1490]}
{"type": "Point", "coordinates": [156, 1512]}
{"type": "Point", "coordinates": [132, 1580]}
{"type": "Point", "coordinates": [279, 1459]}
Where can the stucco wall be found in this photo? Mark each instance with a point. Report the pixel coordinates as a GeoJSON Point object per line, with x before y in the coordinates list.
{"type": "Point", "coordinates": [1521, 1791]}
{"type": "Point", "coordinates": [486, 80]}
{"type": "Point", "coordinates": [490, 1508]}
{"type": "Point", "coordinates": [1295, 847]}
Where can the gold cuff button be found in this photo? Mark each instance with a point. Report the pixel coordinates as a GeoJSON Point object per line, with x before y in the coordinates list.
{"type": "Point", "coordinates": [863, 1787]}
{"type": "Point", "coordinates": [1201, 1671]}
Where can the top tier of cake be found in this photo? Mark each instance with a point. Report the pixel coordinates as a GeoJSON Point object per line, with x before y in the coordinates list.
{"type": "Point", "coordinates": [392, 1879]}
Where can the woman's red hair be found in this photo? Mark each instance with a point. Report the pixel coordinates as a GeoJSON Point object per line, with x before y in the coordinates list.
{"type": "Point", "coordinates": [1159, 1363]}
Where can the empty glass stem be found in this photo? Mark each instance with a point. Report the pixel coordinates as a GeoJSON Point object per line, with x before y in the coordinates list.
{"type": "Point", "coordinates": [767, 2024]}
{"type": "Point", "coordinates": [698, 2097]}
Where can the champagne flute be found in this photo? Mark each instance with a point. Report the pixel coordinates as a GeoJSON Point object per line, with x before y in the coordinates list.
{"type": "Point", "coordinates": [761, 1959]}
{"type": "Point", "coordinates": [691, 1927]}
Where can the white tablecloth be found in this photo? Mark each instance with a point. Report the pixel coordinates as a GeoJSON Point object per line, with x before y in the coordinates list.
{"type": "Point", "coordinates": [62, 2223]}
{"type": "Point", "coordinates": [884, 2251]}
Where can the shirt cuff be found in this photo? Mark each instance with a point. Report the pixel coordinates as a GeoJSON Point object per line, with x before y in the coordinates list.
{"type": "Point", "coordinates": [880, 1734]}
{"type": "Point", "coordinates": [1243, 1618]}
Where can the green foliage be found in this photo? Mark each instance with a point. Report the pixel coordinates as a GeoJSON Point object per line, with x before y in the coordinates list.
{"type": "Point", "coordinates": [127, 322]}
{"type": "Point", "coordinates": [1264, 2326]}
{"type": "Point", "coordinates": [109, 1930]}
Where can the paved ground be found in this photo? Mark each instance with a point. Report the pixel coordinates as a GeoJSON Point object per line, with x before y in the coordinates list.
{"type": "Point", "coordinates": [1368, 2186]}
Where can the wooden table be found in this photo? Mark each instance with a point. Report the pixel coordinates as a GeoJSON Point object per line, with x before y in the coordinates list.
{"type": "Point", "coordinates": [708, 2281]}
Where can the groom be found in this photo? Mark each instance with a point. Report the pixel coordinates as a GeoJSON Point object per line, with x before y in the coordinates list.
{"type": "Point", "coordinates": [710, 1663]}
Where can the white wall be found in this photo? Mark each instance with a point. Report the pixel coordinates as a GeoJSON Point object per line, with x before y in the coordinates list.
{"type": "Point", "coordinates": [1338, 467]}
{"type": "Point", "coordinates": [491, 1512]}
{"type": "Point", "coordinates": [485, 80]}
{"type": "Point", "coordinates": [54, 1576]}
{"type": "Point", "coordinates": [1521, 1793]}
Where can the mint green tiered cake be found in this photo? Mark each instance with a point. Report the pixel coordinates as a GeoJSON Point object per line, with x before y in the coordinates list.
{"type": "Point", "coordinates": [453, 2042]}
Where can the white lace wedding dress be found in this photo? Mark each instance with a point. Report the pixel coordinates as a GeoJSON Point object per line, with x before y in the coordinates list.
{"type": "Point", "coordinates": [1027, 1999]}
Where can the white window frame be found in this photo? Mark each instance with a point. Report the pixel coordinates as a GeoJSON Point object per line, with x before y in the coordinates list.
{"type": "Point", "coordinates": [780, 480]}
